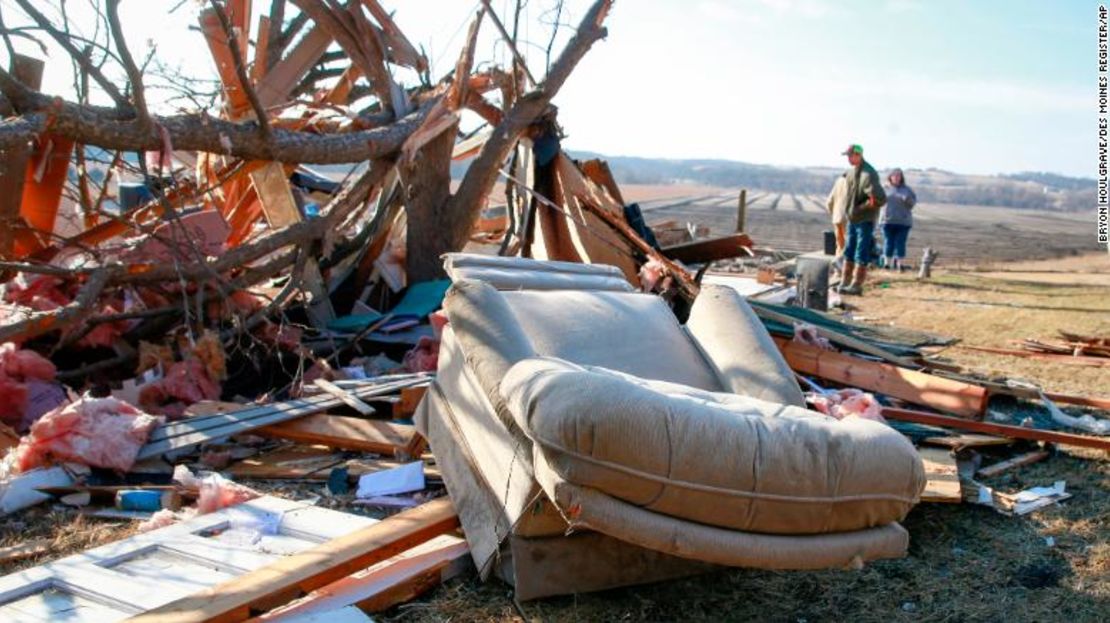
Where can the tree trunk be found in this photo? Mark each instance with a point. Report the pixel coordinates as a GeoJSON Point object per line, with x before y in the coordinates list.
{"type": "Point", "coordinates": [430, 232]}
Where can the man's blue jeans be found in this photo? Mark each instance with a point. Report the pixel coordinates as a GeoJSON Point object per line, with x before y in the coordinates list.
{"type": "Point", "coordinates": [861, 241]}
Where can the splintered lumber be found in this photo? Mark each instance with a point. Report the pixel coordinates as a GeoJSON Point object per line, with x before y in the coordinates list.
{"type": "Point", "coordinates": [1006, 430]}
{"type": "Point", "coordinates": [343, 395]}
{"type": "Point", "coordinates": [311, 569]}
{"type": "Point", "coordinates": [711, 250]}
{"type": "Point", "coordinates": [968, 440]}
{"type": "Point", "coordinates": [192, 431]}
{"type": "Point", "coordinates": [349, 433]}
{"type": "Point", "coordinates": [947, 395]}
{"type": "Point", "coordinates": [410, 400]}
{"type": "Point", "coordinates": [1003, 466]}
{"type": "Point", "coordinates": [397, 580]}
{"type": "Point", "coordinates": [315, 462]}
{"type": "Point", "coordinates": [942, 476]}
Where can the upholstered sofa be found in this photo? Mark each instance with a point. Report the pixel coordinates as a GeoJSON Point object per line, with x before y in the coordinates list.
{"type": "Point", "coordinates": [588, 440]}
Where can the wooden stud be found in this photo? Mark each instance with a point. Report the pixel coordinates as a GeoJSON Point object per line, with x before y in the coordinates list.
{"type": "Point", "coordinates": [1005, 430]}
{"type": "Point", "coordinates": [1017, 461]}
{"type": "Point", "coordinates": [348, 398]}
{"type": "Point", "coordinates": [349, 433]}
{"type": "Point", "coordinates": [943, 394]}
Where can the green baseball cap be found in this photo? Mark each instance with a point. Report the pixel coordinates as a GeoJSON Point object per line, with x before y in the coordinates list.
{"type": "Point", "coordinates": [853, 149]}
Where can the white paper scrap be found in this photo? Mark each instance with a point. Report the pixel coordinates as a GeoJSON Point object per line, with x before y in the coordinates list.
{"type": "Point", "coordinates": [404, 479]}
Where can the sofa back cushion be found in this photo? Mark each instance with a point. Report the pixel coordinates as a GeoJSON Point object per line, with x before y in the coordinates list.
{"type": "Point", "coordinates": [630, 332]}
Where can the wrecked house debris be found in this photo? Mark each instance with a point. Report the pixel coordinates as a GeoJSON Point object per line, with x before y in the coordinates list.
{"type": "Point", "coordinates": [517, 373]}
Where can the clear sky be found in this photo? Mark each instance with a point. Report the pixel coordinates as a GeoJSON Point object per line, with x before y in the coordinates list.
{"type": "Point", "coordinates": [989, 86]}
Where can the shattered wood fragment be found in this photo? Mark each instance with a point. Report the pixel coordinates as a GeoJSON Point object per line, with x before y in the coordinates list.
{"type": "Point", "coordinates": [1003, 466]}
{"type": "Point", "coordinates": [711, 250]}
{"type": "Point", "coordinates": [343, 395]}
{"type": "Point", "coordinates": [349, 433]}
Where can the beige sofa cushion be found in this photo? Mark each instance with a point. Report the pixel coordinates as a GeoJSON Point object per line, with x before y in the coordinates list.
{"type": "Point", "coordinates": [588, 508]}
{"type": "Point", "coordinates": [518, 273]}
{"type": "Point", "coordinates": [630, 332]}
{"type": "Point", "coordinates": [739, 348]}
{"type": "Point", "coordinates": [717, 459]}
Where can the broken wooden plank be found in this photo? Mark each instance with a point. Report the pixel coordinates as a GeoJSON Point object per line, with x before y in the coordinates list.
{"type": "Point", "coordinates": [943, 479]}
{"type": "Point", "coordinates": [968, 440]}
{"type": "Point", "coordinates": [1006, 430]}
{"type": "Point", "coordinates": [349, 433]}
{"type": "Point", "coordinates": [397, 580]}
{"type": "Point", "coordinates": [189, 432]}
{"type": "Point", "coordinates": [348, 399]}
{"type": "Point", "coordinates": [940, 393]}
{"type": "Point", "coordinates": [315, 462]}
{"type": "Point", "coordinates": [1002, 466]}
{"type": "Point", "coordinates": [710, 250]}
{"type": "Point", "coordinates": [410, 400]}
{"type": "Point", "coordinates": [311, 569]}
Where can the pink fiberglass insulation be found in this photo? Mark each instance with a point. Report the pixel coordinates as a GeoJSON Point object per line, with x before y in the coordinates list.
{"type": "Point", "coordinates": [99, 432]}
{"type": "Point", "coordinates": [213, 490]}
{"type": "Point", "coordinates": [18, 368]}
{"type": "Point", "coordinates": [424, 357]}
{"type": "Point", "coordinates": [185, 383]}
{"type": "Point", "coordinates": [848, 402]}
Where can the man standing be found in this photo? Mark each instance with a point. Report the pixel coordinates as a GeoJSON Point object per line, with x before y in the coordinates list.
{"type": "Point", "coordinates": [837, 205]}
{"type": "Point", "coordinates": [865, 198]}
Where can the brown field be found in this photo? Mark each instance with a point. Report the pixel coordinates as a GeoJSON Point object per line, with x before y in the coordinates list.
{"type": "Point", "coordinates": [965, 236]}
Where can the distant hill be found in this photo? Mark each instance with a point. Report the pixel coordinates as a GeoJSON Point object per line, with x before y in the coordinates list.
{"type": "Point", "coordinates": [1033, 191]}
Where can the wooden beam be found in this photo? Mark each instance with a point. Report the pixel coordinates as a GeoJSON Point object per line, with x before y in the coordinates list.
{"type": "Point", "coordinates": [281, 80]}
{"type": "Point", "coordinates": [1002, 466]}
{"type": "Point", "coordinates": [348, 398]}
{"type": "Point", "coordinates": [943, 394]}
{"type": "Point", "coordinates": [709, 250]}
{"type": "Point", "coordinates": [1005, 430]}
{"type": "Point", "coordinates": [397, 580]}
{"type": "Point", "coordinates": [349, 433]}
{"type": "Point", "coordinates": [237, 599]}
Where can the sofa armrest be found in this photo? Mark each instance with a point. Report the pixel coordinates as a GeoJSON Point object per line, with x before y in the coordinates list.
{"type": "Point", "coordinates": [739, 348]}
{"type": "Point", "coordinates": [490, 337]}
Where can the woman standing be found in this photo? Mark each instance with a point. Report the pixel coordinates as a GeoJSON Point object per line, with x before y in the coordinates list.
{"type": "Point", "coordinates": [897, 220]}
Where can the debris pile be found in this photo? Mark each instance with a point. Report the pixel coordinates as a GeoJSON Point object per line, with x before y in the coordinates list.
{"type": "Point", "coordinates": [232, 326]}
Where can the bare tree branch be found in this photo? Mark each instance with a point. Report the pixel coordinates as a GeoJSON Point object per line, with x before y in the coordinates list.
{"type": "Point", "coordinates": [63, 40]}
{"type": "Point", "coordinates": [134, 76]}
{"type": "Point", "coordinates": [482, 174]}
{"type": "Point", "coordinates": [104, 127]}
